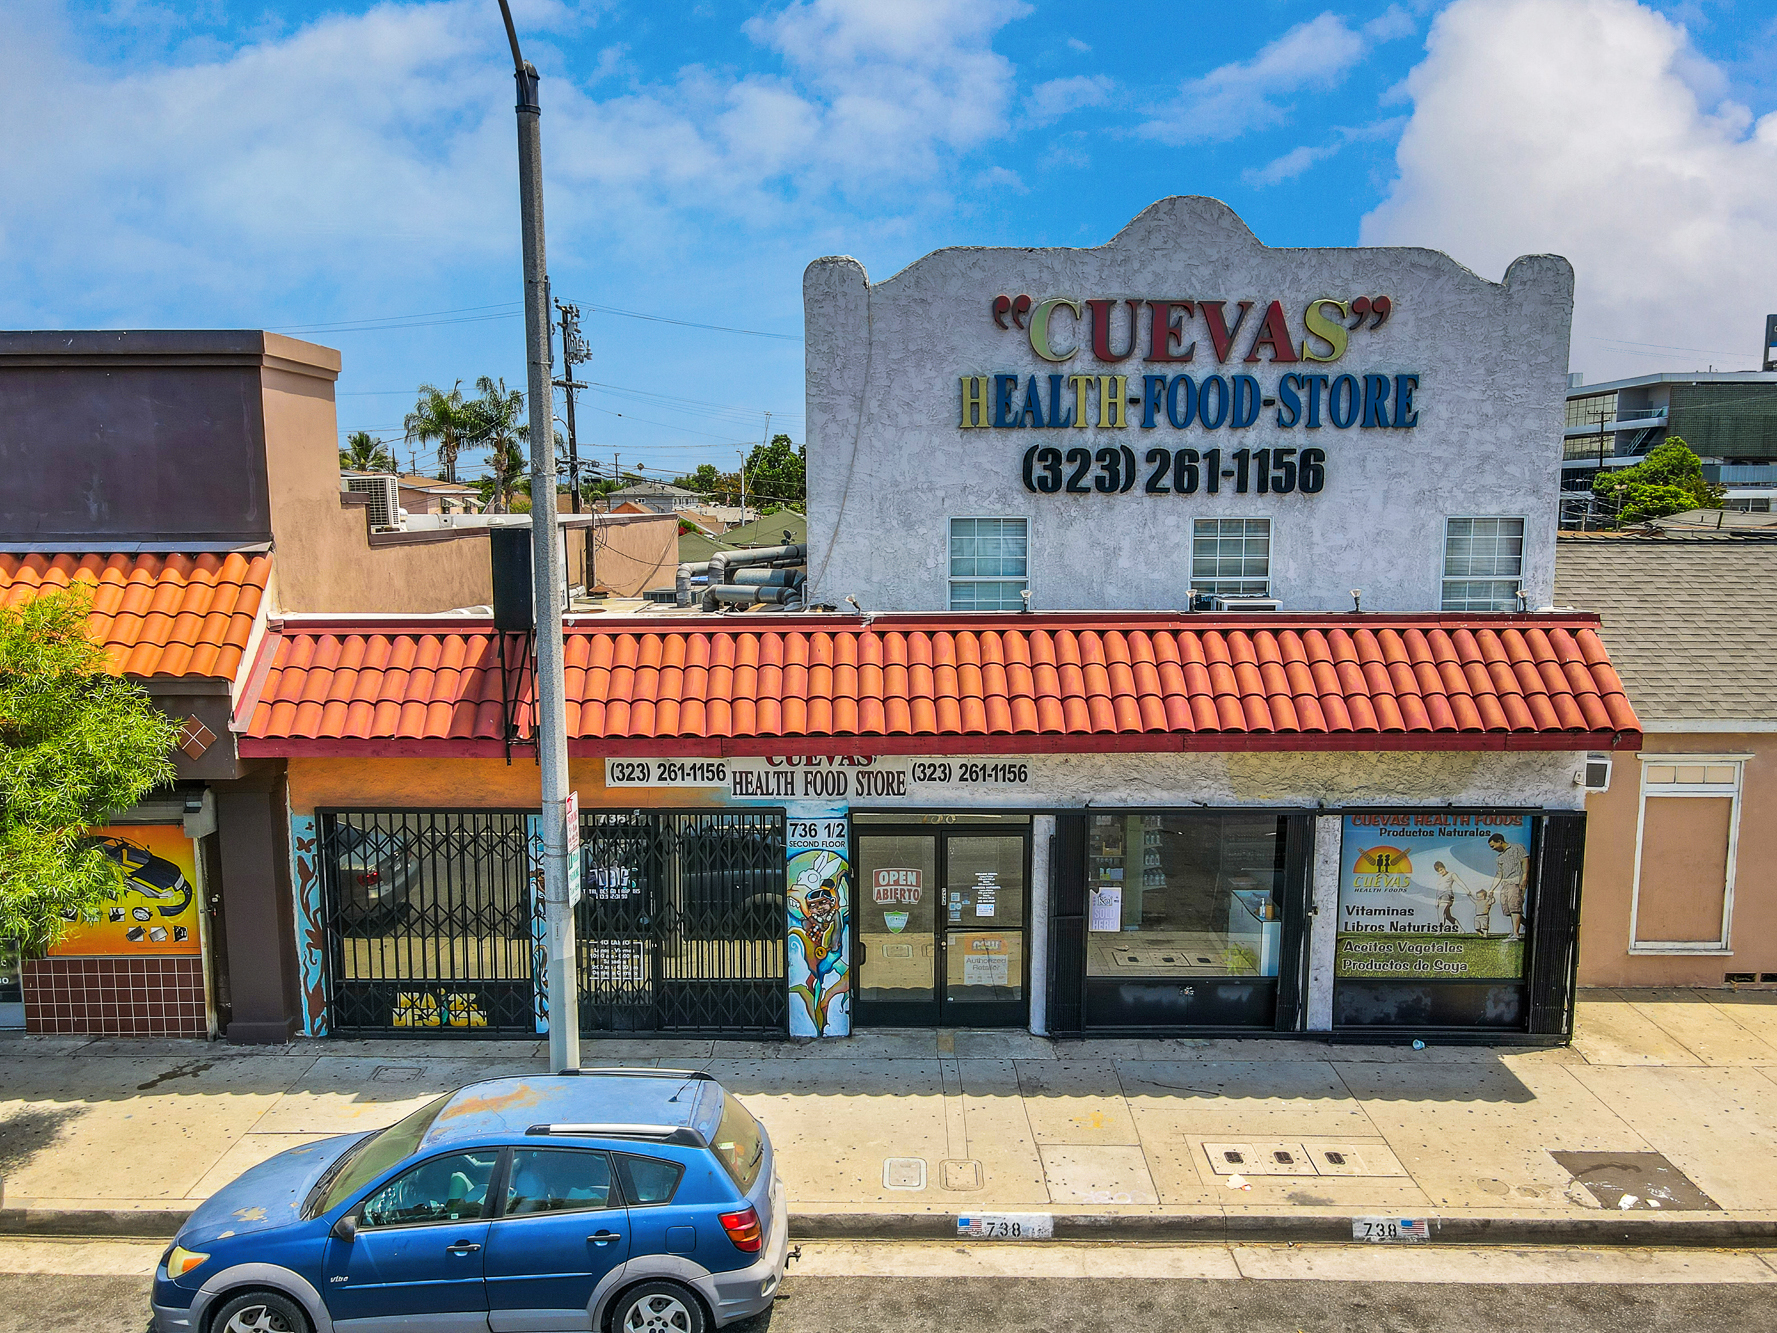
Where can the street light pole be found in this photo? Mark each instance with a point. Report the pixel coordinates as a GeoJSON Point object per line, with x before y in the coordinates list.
{"type": "Point", "coordinates": [546, 575]}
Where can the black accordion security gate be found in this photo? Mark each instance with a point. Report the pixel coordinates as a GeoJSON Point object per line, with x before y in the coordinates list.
{"type": "Point", "coordinates": [431, 928]}
{"type": "Point", "coordinates": [682, 923]}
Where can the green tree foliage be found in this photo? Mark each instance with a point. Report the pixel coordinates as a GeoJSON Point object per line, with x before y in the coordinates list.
{"type": "Point", "coordinates": [776, 476]}
{"type": "Point", "coordinates": [705, 480]}
{"type": "Point", "coordinates": [75, 744]}
{"type": "Point", "coordinates": [364, 454]}
{"type": "Point", "coordinates": [1668, 481]}
{"type": "Point", "coordinates": [441, 418]}
{"type": "Point", "coordinates": [497, 421]}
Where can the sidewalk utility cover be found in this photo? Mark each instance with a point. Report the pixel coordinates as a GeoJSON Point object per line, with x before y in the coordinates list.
{"type": "Point", "coordinates": [1645, 1177]}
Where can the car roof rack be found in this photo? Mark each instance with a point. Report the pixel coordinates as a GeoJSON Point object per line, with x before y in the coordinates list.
{"type": "Point", "coordinates": [681, 1135]}
{"type": "Point", "coordinates": [699, 1075]}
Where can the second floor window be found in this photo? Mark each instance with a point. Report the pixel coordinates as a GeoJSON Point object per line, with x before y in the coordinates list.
{"type": "Point", "coordinates": [989, 563]}
{"type": "Point", "coordinates": [1231, 557]}
{"type": "Point", "coordinates": [1483, 564]}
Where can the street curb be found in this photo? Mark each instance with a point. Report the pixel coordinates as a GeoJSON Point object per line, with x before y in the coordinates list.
{"type": "Point", "coordinates": [1183, 1229]}
{"type": "Point", "coordinates": [1215, 1228]}
{"type": "Point", "coordinates": [109, 1223]}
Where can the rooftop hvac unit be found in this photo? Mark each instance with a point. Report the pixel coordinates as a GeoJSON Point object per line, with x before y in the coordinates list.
{"type": "Point", "coordinates": [385, 500]}
{"type": "Point", "coordinates": [1245, 604]}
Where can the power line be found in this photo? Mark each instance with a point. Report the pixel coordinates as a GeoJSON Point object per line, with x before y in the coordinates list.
{"type": "Point", "coordinates": [476, 314]}
{"type": "Point", "coordinates": [688, 324]}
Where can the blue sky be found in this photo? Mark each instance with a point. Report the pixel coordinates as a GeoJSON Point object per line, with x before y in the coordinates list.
{"type": "Point", "coordinates": [326, 167]}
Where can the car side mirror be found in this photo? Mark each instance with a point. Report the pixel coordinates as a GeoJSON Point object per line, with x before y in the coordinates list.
{"type": "Point", "coordinates": [346, 1229]}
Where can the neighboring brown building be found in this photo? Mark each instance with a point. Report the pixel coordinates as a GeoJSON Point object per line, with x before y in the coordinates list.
{"type": "Point", "coordinates": [191, 478]}
{"type": "Point", "coordinates": [1681, 850]}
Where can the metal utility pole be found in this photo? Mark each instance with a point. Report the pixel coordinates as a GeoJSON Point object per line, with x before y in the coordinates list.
{"type": "Point", "coordinates": [574, 351]}
{"type": "Point", "coordinates": [546, 576]}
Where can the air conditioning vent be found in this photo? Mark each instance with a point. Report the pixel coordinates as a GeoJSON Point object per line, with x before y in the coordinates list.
{"type": "Point", "coordinates": [385, 500]}
{"type": "Point", "coordinates": [1245, 604]}
{"type": "Point", "coordinates": [1598, 772]}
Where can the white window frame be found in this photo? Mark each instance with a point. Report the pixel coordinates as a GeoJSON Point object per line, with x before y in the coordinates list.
{"type": "Point", "coordinates": [950, 580]}
{"type": "Point", "coordinates": [1270, 538]}
{"type": "Point", "coordinates": [1723, 946]}
{"type": "Point", "coordinates": [1444, 556]}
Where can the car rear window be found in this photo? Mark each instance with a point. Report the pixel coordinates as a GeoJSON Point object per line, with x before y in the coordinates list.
{"type": "Point", "coordinates": [739, 1143]}
{"type": "Point", "coordinates": [372, 1156]}
{"type": "Point", "coordinates": [648, 1179]}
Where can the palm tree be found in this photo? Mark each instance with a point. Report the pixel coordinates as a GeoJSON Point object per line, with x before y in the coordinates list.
{"type": "Point", "coordinates": [364, 454]}
{"type": "Point", "coordinates": [443, 417]}
{"type": "Point", "coordinates": [498, 422]}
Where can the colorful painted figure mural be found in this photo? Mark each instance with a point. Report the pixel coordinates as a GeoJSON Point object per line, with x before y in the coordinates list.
{"type": "Point", "coordinates": [820, 977]}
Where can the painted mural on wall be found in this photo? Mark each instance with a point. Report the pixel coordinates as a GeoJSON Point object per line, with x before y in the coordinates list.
{"type": "Point", "coordinates": [155, 910]}
{"type": "Point", "coordinates": [311, 932]}
{"type": "Point", "coordinates": [1434, 895]}
{"type": "Point", "coordinates": [820, 890]}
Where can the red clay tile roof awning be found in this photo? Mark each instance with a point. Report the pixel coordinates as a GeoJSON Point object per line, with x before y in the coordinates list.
{"type": "Point", "coordinates": [157, 615]}
{"type": "Point", "coordinates": [961, 684]}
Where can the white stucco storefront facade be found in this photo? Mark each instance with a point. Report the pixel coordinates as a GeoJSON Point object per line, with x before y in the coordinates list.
{"type": "Point", "coordinates": [1473, 373]}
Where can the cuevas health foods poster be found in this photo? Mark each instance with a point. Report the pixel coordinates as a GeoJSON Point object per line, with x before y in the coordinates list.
{"type": "Point", "coordinates": [1434, 895]}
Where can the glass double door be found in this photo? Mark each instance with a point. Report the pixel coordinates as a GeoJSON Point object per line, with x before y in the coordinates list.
{"type": "Point", "coordinates": [941, 928]}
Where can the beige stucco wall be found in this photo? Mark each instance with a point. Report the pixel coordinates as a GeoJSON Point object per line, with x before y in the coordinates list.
{"type": "Point", "coordinates": [1609, 887]}
{"type": "Point", "coordinates": [325, 558]}
{"type": "Point", "coordinates": [632, 553]}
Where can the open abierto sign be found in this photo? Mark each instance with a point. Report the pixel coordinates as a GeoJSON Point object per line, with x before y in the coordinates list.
{"type": "Point", "coordinates": [896, 885]}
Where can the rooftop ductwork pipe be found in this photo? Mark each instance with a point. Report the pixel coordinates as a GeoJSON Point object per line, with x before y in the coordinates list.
{"type": "Point", "coordinates": [769, 577]}
{"type": "Point", "coordinates": [682, 582]}
{"type": "Point", "coordinates": [722, 561]}
{"type": "Point", "coordinates": [741, 594]}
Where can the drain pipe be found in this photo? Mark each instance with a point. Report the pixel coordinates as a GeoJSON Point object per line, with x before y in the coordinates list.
{"type": "Point", "coordinates": [682, 582]}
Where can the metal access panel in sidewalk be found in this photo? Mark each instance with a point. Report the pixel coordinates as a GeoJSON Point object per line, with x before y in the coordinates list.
{"type": "Point", "coordinates": [430, 923]}
{"type": "Point", "coordinates": [681, 924]}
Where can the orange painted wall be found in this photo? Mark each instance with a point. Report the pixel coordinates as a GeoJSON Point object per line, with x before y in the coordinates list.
{"type": "Point", "coordinates": [1605, 959]}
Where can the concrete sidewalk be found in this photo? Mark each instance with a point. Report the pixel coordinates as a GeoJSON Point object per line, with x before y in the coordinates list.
{"type": "Point", "coordinates": [893, 1134]}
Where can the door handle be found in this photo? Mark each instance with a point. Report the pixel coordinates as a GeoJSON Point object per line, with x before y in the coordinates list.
{"type": "Point", "coordinates": [463, 1247]}
{"type": "Point", "coordinates": [605, 1237]}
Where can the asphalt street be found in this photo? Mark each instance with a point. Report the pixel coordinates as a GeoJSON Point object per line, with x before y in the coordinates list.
{"type": "Point", "coordinates": [52, 1303]}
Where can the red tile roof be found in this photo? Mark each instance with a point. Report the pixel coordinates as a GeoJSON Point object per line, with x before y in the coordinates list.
{"type": "Point", "coordinates": [158, 615]}
{"type": "Point", "coordinates": [948, 684]}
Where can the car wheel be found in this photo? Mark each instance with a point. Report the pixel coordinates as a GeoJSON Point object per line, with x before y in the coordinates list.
{"type": "Point", "coordinates": [259, 1312]}
{"type": "Point", "coordinates": [658, 1307]}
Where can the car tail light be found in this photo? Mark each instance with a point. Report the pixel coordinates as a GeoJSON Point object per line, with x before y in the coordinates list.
{"type": "Point", "coordinates": [743, 1230]}
{"type": "Point", "coordinates": [368, 877]}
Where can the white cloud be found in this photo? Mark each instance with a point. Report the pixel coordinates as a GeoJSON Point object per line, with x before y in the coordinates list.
{"type": "Point", "coordinates": [1235, 98]}
{"type": "Point", "coordinates": [1575, 126]}
{"type": "Point", "coordinates": [1290, 165]}
{"type": "Point", "coordinates": [1049, 102]}
{"type": "Point", "coordinates": [363, 142]}
{"type": "Point", "coordinates": [1298, 160]}
{"type": "Point", "coordinates": [1079, 46]}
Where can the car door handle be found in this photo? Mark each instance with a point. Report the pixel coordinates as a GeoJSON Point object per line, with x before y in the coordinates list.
{"type": "Point", "coordinates": [463, 1247]}
{"type": "Point", "coordinates": [605, 1237]}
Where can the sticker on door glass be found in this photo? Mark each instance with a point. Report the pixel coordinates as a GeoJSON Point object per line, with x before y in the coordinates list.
{"type": "Point", "coordinates": [985, 970]}
{"type": "Point", "coordinates": [1106, 908]}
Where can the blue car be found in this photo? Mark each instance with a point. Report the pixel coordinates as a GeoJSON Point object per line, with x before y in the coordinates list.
{"type": "Point", "coordinates": [628, 1201]}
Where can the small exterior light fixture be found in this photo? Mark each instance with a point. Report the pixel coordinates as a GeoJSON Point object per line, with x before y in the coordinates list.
{"type": "Point", "coordinates": [1357, 599]}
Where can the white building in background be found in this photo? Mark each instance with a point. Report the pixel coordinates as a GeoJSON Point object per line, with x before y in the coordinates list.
{"type": "Point", "coordinates": [1729, 418]}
